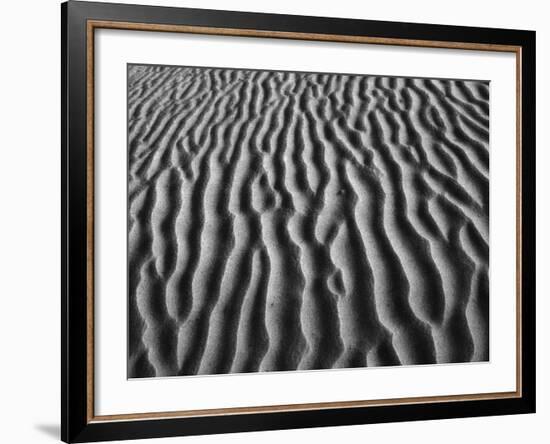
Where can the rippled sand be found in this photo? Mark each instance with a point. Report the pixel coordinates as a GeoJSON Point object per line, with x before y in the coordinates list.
{"type": "Point", "coordinates": [282, 221]}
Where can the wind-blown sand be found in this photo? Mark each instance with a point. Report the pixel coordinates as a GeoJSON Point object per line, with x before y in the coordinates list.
{"type": "Point", "coordinates": [282, 221]}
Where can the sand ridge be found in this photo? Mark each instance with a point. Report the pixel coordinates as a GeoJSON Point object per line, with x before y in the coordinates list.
{"type": "Point", "coordinates": [282, 221]}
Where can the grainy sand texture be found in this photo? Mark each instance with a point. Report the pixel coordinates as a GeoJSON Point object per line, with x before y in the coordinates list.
{"type": "Point", "coordinates": [296, 221]}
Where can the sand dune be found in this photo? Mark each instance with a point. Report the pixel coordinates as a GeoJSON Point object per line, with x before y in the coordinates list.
{"type": "Point", "coordinates": [283, 221]}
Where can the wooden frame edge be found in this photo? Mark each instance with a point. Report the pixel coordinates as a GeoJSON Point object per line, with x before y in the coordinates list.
{"type": "Point", "coordinates": [303, 407]}
{"type": "Point", "coordinates": [236, 32]}
{"type": "Point", "coordinates": [90, 206]}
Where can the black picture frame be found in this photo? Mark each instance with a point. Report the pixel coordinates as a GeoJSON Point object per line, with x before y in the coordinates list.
{"type": "Point", "coordinates": [77, 425]}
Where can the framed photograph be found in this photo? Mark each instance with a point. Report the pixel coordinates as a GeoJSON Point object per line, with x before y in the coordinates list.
{"type": "Point", "coordinates": [275, 221]}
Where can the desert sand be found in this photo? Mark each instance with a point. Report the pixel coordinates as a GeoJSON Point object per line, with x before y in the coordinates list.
{"type": "Point", "coordinates": [297, 221]}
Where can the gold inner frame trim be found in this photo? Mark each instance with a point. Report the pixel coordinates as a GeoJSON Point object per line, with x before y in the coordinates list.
{"type": "Point", "coordinates": [95, 24]}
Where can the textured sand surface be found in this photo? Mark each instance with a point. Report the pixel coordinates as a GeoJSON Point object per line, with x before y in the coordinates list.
{"type": "Point", "coordinates": [281, 221]}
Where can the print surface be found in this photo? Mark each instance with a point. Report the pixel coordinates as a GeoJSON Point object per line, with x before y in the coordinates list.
{"type": "Point", "coordinates": [285, 221]}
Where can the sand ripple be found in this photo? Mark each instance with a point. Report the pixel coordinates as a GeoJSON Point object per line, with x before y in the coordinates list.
{"type": "Point", "coordinates": [282, 221]}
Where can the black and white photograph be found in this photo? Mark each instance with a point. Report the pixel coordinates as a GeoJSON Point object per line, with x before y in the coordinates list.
{"type": "Point", "coordinates": [285, 221]}
{"type": "Point", "coordinates": [232, 221]}
{"type": "Point", "coordinates": [292, 221]}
